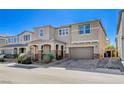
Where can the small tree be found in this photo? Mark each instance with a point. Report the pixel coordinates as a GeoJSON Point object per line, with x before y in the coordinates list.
{"type": "Point", "coordinates": [110, 47]}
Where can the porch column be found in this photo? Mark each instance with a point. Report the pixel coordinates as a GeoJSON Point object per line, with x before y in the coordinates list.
{"type": "Point", "coordinates": [17, 50]}
{"type": "Point", "coordinates": [53, 49]}
{"type": "Point", "coordinates": [67, 56]}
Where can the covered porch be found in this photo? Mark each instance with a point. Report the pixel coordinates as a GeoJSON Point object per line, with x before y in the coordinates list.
{"type": "Point", "coordinates": [14, 49]}
{"type": "Point", "coordinates": [37, 51]}
{"type": "Point", "coordinates": [40, 47]}
{"type": "Point", "coordinates": [111, 53]}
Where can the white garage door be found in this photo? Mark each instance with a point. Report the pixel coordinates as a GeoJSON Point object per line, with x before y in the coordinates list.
{"type": "Point", "coordinates": [81, 53]}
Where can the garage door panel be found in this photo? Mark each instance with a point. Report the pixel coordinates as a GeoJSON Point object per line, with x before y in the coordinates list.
{"type": "Point", "coordinates": [86, 52]}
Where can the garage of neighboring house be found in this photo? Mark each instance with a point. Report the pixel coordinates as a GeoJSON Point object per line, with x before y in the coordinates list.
{"type": "Point", "coordinates": [81, 52]}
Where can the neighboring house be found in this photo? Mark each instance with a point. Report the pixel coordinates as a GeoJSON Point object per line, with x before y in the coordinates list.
{"type": "Point", "coordinates": [44, 41]}
{"type": "Point", "coordinates": [3, 42]}
{"type": "Point", "coordinates": [120, 36]}
{"type": "Point", "coordinates": [17, 44]}
{"type": "Point", "coordinates": [79, 40]}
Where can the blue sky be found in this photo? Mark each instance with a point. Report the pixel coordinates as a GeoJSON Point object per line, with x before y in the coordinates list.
{"type": "Point", "coordinates": [13, 22]}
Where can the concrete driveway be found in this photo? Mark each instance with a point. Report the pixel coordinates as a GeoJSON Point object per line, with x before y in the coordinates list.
{"type": "Point", "coordinates": [78, 63]}
{"type": "Point", "coordinates": [93, 65]}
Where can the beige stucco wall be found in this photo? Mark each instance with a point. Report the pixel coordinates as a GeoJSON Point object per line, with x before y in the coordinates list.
{"type": "Point", "coordinates": [123, 23]}
{"type": "Point", "coordinates": [120, 40]}
{"type": "Point", "coordinates": [75, 36]}
{"type": "Point", "coordinates": [52, 33]}
{"type": "Point", "coordinates": [122, 37]}
{"type": "Point", "coordinates": [66, 38]}
{"type": "Point", "coordinates": [21, 37]}
{"type": "Point", "coordinates": [122, 56]}
{"type": "Point", "coordinates": [2, 42]}
{"type": "Point", "coordinates": [102, 40]}
{"type": "Point", "coordinates": [47, 35]}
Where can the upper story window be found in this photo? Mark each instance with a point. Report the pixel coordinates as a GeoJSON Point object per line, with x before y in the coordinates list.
{"type": "Point", "coordinates": [84, 29]}
{"type": "Point", "coordinates": [2, 41]}
{"type": "Point", "coordinates": [87, 29]}
{"type": "Point", "coordinates": [18, 39]}
{"type": "Point", "coordinates": [63, 32]}
{"type": "Point", "coordinates": [67, 31]}
{"type": "Point", "coordinates": [26, 37]}
{"type": "Point", "coordinates": [10, 40]}
{"type": "Point", "coordinates": [15, 40]}
{"type": "Point", "coordinates": [81, 29]}
{"type": "Point", "coordinates": [41, 32]}
{"type": "Point", "coordinates": [60, 32]}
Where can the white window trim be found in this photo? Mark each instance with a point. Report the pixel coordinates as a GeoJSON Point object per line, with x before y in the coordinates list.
{"type": "Point", "coordinates": [28, 39]}
{"type": "Point", "coordinates": [65, 32]}
{"type": "Point", "coordinates": [84, 30]}
{"type": "Point", "coordinates": [91, 28]}
{"type": "Point", "coordinates": [40, 32]}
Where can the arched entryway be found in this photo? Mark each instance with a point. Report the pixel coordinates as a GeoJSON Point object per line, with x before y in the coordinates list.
{"type": "Point", "coordinates": [59, 52]}
{"type": "Point", "coordinates": [46, 48]}
{"type": "Point", "coordinates": [110, 53]}
{"type": "Point", "coordinates": [34, 52]}
{"type": "Point", "coordinates": [22, 50]}
{"type": "Point", "coordinates": [15, 51]}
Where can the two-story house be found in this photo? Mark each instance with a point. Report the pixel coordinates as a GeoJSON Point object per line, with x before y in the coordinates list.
{"type": "Point", "coordinates": [80, 40]}
{"type": "Point", "coordinates": [120, 36]}
{"type": "Point", "coordinates": [44, 41]}
{"type": "Point", "coordinates": [88, 40]}
{"type": "Point", "coordinates": [16, 44]}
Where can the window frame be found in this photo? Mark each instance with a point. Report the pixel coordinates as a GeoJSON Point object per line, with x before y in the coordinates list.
{"type": "Point", "coordinates": [64, 31]}
{"type": "Point", "coordinates": [27, 37]}
{"type": "Point", "coordinates": [87, 29]}
{"type": "Point", "coordinates": [42, 30]}
{"type": "Point", "coordinates": [83, 29]}
{"type": "Point", "coordinates": [14, 39]}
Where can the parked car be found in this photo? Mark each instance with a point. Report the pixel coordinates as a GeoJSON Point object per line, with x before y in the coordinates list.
{"type": "Point", "coordinates": [2, 56]}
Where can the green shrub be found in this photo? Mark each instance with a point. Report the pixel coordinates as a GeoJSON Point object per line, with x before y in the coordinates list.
{"type": "Point", "coordinates": [15, 55]}
{"type": "Point", "coordinates": [47, 58]}
{"type": "Point", "coordinates": [2, 60]}
{"type": "Point", "coordinates": [24, 59]}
